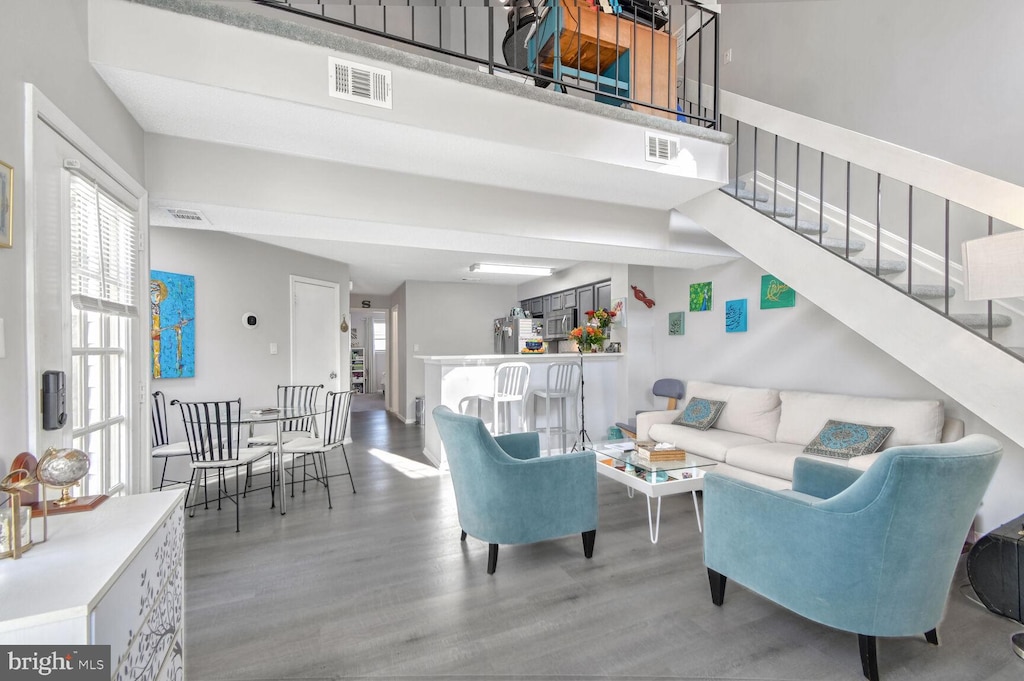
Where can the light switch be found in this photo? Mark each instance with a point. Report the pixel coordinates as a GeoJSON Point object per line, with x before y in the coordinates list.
{"type": "Point", "coordinates": [416, 347]}
{"type": "Point", "coordinates": [273, 348]}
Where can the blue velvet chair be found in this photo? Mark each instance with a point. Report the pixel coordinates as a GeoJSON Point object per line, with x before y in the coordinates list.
{"type": "Point", "coordinates": [869, 552]}
{"type": "Point", "coordinates": [507, 494]}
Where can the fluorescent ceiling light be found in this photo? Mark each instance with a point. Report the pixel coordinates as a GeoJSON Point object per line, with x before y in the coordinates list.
{"type": "Point", "coordinates": [492, 268]}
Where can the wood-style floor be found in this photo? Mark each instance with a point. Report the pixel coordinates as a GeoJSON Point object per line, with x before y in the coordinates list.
{"type": "Point", "coordinates": [381, 587]}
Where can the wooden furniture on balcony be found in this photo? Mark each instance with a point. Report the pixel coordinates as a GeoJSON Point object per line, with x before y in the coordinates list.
{"type": "Point", "coordinates": [617, 54]}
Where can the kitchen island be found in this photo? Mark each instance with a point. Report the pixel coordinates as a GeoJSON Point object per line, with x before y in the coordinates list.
{"type": "Point", "coordinates": [455, 380]}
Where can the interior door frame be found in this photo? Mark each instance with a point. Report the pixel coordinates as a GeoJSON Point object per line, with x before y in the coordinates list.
{"type": "Point", "coordinates": [293, 279]}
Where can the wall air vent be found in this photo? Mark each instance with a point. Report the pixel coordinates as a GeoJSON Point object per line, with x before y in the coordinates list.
{"type": "Point", "coordinates": [184, 216]}
{"type": "Point", "coordinates": [359, 83]}
{"type": "Point", "coordinates": [661, 148]}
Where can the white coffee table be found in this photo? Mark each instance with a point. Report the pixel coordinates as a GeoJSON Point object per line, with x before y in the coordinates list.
{"type": "Point", "coordinates": [654, 480]}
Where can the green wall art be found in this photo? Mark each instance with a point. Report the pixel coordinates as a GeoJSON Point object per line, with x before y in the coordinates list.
{"type": "Point", "coordinates": [700, 297]}
{"type": "Point", "coordinates": [676, 324]}
{"type": "Point", "coordinates": [736, 316]}
{"type": "Point", "coordinates": [774, 293]}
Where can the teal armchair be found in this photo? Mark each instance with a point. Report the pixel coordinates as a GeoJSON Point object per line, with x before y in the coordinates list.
{"type": "Point", "coordinates": [507, 494]}
{"type": "Point", "coordinates": [871, 553]}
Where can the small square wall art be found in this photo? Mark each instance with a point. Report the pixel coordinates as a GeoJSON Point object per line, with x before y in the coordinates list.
{"type": "Point", "coordinates": [700, 297]}
{"type": "Point", "coordinates": [676, 324]}
{"type": "Point", "coordinates": [774, 293]}
{"type": "Point", "coordinates": [736, 316]}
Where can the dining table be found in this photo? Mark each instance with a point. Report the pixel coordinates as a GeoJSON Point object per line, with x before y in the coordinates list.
{"type": "Point", "coordinates": [279, 416]}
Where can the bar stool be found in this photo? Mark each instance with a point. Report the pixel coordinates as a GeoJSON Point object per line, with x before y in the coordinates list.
{"type": "Point", "coordinates": [510, 381]}
{"type": "Point", "coordinates": [562, 388]}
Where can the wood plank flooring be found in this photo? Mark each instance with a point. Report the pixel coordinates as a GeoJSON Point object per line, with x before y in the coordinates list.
{"type": "Point", "coordinates": [381, 587]}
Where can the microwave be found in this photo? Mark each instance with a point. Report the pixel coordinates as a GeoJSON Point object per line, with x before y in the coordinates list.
{"type": "Point", "coordinates": [558, 324]}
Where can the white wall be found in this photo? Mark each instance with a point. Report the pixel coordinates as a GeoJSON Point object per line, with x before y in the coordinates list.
{"type": "Point", "coordinates": [45, 43]}
{"type": "Point", "coordinates": [234, 276]}
{"type": "Point", "coordinates": [445, 319]}
{"type": "Point", "coordinates": [798, 348]}
{"type": "Point", "coordinates": [936, 76]}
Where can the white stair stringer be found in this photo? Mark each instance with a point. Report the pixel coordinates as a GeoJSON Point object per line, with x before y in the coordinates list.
{"type": "Point", "coordinates": [978, 375]}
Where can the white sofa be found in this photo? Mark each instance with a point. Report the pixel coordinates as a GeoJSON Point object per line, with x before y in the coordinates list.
{"type": "Point", "coordinates": [761, 431]}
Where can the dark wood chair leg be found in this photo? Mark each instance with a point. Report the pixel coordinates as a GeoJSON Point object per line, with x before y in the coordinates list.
{"type": "Point", "coordinates": [932, 637]}
{"type": "Point", "coordinates": [717, 581]}
{"type": "Point", "coordinates": [868, 657]}
{"type": "Point", "coordinates": [588, 542]}
{"type": "Point", "coordinates": [463, 537]}
{"type": "Point", "coordinates": [492, 558]}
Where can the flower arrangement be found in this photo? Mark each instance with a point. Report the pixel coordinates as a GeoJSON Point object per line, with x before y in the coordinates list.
{"type": "Point", "coordinates": [594, 333]}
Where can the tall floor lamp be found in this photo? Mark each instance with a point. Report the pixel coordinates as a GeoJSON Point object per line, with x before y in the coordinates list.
{"type": "Point", "coordinates": [994, 268]}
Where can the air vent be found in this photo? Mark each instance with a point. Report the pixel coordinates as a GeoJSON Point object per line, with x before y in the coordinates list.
{"type": "Point", "coordinates": [184, 216]}
{"type": "Point", "coordinates": [359, 83]}
{"type": "Point", "coordinates": [662, 148]}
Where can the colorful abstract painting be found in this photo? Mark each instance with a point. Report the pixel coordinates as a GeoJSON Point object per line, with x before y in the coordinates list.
{"type": "Point", "coordinates": [676, 324]}
{"type": "Point", "coordinates": [700, 297]}
{"type": "Point", "coordinates": [774, 293]}
{"type": "Point", "coordinates": [172, 299]}
{"type": "Point", "coordinates": [736, 316]}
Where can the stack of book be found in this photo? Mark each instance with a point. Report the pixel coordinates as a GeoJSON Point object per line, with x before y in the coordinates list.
{"type": "Point", "coordinates": [651, 452]}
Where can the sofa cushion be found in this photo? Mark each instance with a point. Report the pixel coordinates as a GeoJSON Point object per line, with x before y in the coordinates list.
{"type": "Point", "coordinates": [711, 443]}
{"type": "Point", "coordinates": [803, 414]}
{"type": "Point", "coordinates": [750, 411]}
{"type": "Point", "coordinates": [772, 458]}
{"type": "Point", "coordinates": [842, 440]}
{"type": "Point", "coordinates": [700, 413]}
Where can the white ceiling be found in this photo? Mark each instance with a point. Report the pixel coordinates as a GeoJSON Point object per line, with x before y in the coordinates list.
{"type": "Point", "coordinates": [381, 259]}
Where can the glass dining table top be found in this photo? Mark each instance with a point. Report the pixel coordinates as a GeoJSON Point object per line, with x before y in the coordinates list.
{"type": "Point", "coordinates": [273, 414]}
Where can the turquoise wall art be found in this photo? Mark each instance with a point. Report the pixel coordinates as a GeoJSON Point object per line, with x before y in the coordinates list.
{"type": "Point", "coordinates": [736, 316]}
{"type": "Point", "coordinates": [172, 299]}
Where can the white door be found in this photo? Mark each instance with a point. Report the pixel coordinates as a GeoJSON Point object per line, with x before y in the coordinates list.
{"type": "Point", "coordinates": [392, 400]}
{"type": "Point", "coordinates": [316, 333]}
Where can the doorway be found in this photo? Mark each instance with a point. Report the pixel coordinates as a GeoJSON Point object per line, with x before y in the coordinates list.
{"type": "Point", "coordinates": [316, 339]}
{"type": "Point", "coordinates": [370, 333]}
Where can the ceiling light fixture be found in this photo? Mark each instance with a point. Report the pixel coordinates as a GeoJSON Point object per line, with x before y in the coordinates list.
{"type": "Point", "coordinates": [529, 270]}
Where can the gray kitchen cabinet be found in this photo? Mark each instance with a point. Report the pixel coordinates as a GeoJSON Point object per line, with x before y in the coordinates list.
{"type": "Point", "coordinates": [585, 299]}
{"type": "Point", "coordinates": [603, 294]}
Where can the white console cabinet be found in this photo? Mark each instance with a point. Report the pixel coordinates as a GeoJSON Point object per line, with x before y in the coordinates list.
{"type": "Point", "coordinates": [115, 575]}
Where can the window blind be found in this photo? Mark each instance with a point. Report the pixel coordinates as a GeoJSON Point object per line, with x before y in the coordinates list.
{"type": "Point", "coordinates": [103, 250]}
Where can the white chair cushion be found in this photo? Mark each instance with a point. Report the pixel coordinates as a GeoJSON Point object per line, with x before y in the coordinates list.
{"type": "Point", "coordinates": [913, 421]}
{"type": "Point", "coordinates": [246, 455]}
{"type": "Point", "coordinates": [172, 449]}
{"type": "Point", "coordinates": [259, 440]}
{"type": "Point", "coordinates": [303, 445]}
{"type": "Point", "coordinates": [711, 443]}
{"type": "Point", "coordinates": [751, 411]}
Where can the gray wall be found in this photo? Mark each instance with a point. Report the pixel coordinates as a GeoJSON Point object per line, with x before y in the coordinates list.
{"type": "Point", "coordinates": [937, 76]}
{"type": "Point", "coordinates": [234, 276]}
{"type": "Point", "coordinates": [45, 43]}
{"type": "Point", "coordinates": [797, 348]}
{"type": "Point", "coordinates": [445, 319]}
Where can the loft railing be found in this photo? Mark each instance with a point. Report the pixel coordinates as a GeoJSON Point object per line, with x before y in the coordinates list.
{"type": "Point", "coordinates": [656, 58]}
{"type": "Point", "coordinates": [903, 235]}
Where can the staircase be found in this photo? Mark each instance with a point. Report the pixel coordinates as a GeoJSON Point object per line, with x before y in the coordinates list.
{"type": "Point", "coordinates": [904, 293]}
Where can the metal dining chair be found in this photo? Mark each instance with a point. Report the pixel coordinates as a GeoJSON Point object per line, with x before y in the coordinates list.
{"type": "Point", "coordinates": [295, 396]}
{"type": "Point", "coordinates": [510, 381]}
{"type": "Point", "coordinates": [339, 407]}
{"type": "Point", "coordinates": [161, 448]}
{"type": "Point", "coordinates": [214, 438]}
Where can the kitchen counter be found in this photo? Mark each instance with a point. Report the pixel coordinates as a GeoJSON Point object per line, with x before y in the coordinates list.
{"type": "Point", "coordinates": [455, 380]}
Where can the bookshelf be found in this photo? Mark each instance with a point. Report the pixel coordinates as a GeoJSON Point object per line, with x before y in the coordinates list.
{"type": "Point", "coordinates": [358, 369]}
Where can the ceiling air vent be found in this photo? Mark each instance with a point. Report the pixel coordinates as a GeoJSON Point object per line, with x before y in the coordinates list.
{"type": "Point", "coordinates": [661, 148]}
{"type": "Point", "coordinates": [359, 83]}
{"type": "Point", "coordinates": [183, 216]}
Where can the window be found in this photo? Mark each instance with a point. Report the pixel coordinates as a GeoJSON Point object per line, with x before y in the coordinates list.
{"type": "Point", "coordinates": [380, 336]}
{"type": "Point", "coordinates": [104, 241]}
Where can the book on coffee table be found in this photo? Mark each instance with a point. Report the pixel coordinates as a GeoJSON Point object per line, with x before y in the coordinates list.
{"type": "Point", "coordinates": [649, 451]}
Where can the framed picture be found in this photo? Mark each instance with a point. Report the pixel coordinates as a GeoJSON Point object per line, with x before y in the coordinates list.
{"type": "Point", "coordinates": [6, 205]}
{"type": "Point", "coordinates": [676, 324]}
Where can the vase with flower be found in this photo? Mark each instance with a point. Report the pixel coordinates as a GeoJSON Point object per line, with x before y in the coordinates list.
{"type": "Point", "coordinates": [588, 338]}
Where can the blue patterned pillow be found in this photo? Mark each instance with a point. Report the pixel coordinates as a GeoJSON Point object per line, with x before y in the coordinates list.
{"type": "Point", "coordinates": [700, 413]}
{"type": "Point", "coordinates": [842, 440]}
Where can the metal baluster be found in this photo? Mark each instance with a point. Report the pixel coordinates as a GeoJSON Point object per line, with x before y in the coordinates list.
{"type": "Point", "coordinates": [668, 62]}
{"type": "Point", "coordinates": [796, 211]}
{"type": "Point", "coordinates": [736, 179]}
{"type": "Point", "coordinates": [946, 305]}
{"type": "Point", "coordinates": [910, 241]}
{"type": "Point", "coordinates": [718, 84]}
{"type": "Point", "coordinates": [490, 39]}
{"type": "Point", "coordinates": [700, 63]}
{"type": "Point", "coordinates": [878, 226]}
{"type": "Point", "coordinates": [989, 303]}
{"type": "Point", "coordinates": [847, 210]}
{"type": "Point", "coordinates": [775, 180]}
{"type": "Point", "coordinates": [754, 194]}
{"type": "Point", "coordinates": [821, 198]}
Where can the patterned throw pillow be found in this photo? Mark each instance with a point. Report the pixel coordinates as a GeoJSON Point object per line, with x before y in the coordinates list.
{"type": "Point", "coordinates": [700, 413]}
{"type": "Point", "coordinates": [842, 440]}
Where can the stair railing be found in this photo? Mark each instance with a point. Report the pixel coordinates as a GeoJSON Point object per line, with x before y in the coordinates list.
{"type": "Point", "coordinates": [608, 69]}
{"type": "Point", "coordinates": [913, 235]}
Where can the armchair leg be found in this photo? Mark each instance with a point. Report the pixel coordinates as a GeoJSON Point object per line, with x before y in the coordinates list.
{"type": "Point", "coordinates": [588, 542]}
{"type": "Point", "coordinates": [492, 558]}
{"type": "Point", "coordinates": [868, 657]}
{"type": "Point", "coordinates": [932, 637]}
{"type": "Point", "coordinates": [717, 581]}
{"type": "Point", "coordinates": [463, 537]}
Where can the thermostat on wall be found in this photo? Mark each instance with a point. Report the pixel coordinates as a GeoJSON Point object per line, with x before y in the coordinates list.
{"type": "Point", "coordinates": [250, 320]}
